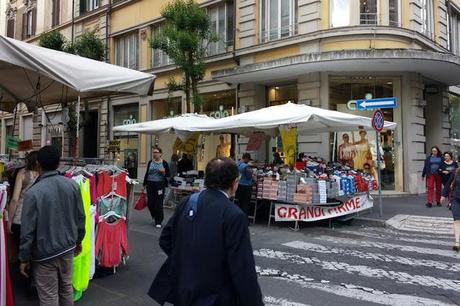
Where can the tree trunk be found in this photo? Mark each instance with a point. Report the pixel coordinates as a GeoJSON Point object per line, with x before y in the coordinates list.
{"type": "Point", "coordinates": [188, 106]}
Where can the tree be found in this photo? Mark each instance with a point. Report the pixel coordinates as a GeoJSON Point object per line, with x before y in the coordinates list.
{"type": "Point", "coordinates": [88, 45]}
{"type": "Point", "coordinates": [184, 37]}
{"type": "Point", "coordinates": [52, 40]}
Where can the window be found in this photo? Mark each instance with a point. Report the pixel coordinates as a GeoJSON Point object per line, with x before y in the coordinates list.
{"type": "Point", "coordinates": [278, 19]}
{"type": "Point", "coordinates": [10, 28]}
{"type": "Point", "coordinates": [28, 23]}
{"type": "Point", "coordinates": [221, 24]}
{"type": "Point", "coordinates": [159, 57]}
{"type": "Point", "coordinates": [278, 95]}
{"type": "Point", "coordinates": [126, 51]}
{"type": "Point", "coordinates": [55, 13]}
{"type": "Point", "coordinates": [27, 127]}
{"type": "Point", "coordinates": [393, 12]}
{"type": "Point", "coordinates": [166, 108]}
{"type": "Point", "coordinates": [340, 13]}
{"type": "Point", "coordinates": [89, 5]}
{"type": "Point", "coordinates": [454, 32]}
{"type": "Point", "coordinates": [368, 12]}
{"type": "Point", "coordinates": [427, 17]}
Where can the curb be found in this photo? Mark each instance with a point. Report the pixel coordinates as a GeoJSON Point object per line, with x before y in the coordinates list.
{"type": "Point", "coordinates": [369, 222]}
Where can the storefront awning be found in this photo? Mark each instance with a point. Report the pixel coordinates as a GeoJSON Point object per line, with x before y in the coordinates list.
{"type": "Point", "coordinates": [442, 67]}
{"type": "Point", "coordinates": [38, 76]}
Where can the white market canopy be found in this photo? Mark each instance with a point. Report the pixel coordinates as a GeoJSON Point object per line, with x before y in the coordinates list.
{"type": "Point", "coordinates": [178, 125]}
{"type": "Point", "coordinates": [29, 71]}
{"type": "Point", "coordinates": [307, 119]}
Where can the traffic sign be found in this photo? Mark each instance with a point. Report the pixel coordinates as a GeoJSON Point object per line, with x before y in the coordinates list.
{"type": "Point", "coordinates": [367, 104]}
{"type": "Point", "coordinates": [378, 120]}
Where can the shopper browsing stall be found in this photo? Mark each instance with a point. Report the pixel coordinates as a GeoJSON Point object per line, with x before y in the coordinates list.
{"type": "Point", "coordinates": [452, 191]}
{"type": "Point", "coordinates": [433, 178]}
{"type": "Point", "coordinates": [155, 180]}
{"type": "Point", "coordinates": [243, 193]}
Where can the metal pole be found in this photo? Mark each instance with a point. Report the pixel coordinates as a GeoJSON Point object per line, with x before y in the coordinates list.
{"type": "Point", "coordinates": [77, 144]}
{"type": "Point", "coordinates": [377, 145]}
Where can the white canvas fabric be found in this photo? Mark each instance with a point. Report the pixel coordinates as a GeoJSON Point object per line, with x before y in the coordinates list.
{"type": "Point", "coordinates": [39, 76]}
{"type": "Point", "coordinates": [307, 119]}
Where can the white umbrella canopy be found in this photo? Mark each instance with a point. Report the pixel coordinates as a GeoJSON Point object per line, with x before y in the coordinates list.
{"type": "Point", "coordinates": [39, 76]}
{"type": "Point", "coordinates": [178, 125]}
{"type": "Point", "coordinates": [307, 119]}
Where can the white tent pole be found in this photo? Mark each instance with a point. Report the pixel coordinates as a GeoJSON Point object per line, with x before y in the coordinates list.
{"type": "Point", "coordinates": [77, 140]}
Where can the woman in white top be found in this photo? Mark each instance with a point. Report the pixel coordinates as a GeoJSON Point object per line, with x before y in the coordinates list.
{"type": "Point", "coordinates": [24, 179]}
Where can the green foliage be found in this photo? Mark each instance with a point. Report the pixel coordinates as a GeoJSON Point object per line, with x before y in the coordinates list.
{"type": "Point", "coordinates": [52, 40]}
{"type": "Point", "coordinates": [184, 37]}
{"type": "Point", "coordinates": [90, 46]}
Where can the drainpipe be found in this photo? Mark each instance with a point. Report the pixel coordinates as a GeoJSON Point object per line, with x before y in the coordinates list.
{"type": "Point", "coordinates": [107, 24]}
{"type": "Point", "coordinates": [73, 20]}
{"type": "Point", "coordinates": [235, 59]}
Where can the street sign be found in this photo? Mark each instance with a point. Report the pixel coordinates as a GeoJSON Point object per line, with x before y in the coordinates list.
{"type": "Point", "coordinates": [378, 120]}
{"type": "Point", "coordinates": [367, 104]}
{"type": "Point", "coordinates": [12, 142]}
{"type": "Point", "coordinates": [26, 145]}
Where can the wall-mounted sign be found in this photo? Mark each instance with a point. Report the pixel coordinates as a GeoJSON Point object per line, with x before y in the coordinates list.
{"type": "Point", "coordinates": [26, 145]}
{"type": "Point", "coordinates": [114, 146]}
{"type": "Point", "coordinates": [130, 120]}
{"type": "Point", "coordinates": [12, 142]}
{"type": "Point", "coordinates": [221, 113]}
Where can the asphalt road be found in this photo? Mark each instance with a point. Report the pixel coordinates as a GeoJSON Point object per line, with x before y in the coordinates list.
{"type": "Point", "coordinates": [348, 265]}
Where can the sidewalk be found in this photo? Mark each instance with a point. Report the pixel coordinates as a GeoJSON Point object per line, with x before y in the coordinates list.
{"type": "Point", "coordinates": [407, 205]}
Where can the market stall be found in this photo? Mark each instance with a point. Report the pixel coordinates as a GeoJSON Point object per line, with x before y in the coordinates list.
{"type": "Point", "coordinates": [319, 190]}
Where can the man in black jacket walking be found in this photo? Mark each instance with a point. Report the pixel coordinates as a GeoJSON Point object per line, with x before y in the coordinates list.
{"type": "Point", "coordinates": [210, 260]}
{"type": "Point", "coordinates": [53, 226]}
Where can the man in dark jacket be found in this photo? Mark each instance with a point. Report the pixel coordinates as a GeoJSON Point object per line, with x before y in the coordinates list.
{"type": "Point", "coordinates": [210, 260]}
{"type": "Point", "coordinates": [53, 226]}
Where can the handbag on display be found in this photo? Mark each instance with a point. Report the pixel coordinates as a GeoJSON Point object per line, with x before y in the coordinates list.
{"type": "Point", "coordinates": [141, 202]}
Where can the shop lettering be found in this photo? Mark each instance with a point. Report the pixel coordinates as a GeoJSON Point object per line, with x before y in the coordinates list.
{"type": "Point", "coordinates": [311, 213]}
{"type": "Point", "coordinates": [131, 120]}
{"type": "Point", "coordinates": [221, 113]}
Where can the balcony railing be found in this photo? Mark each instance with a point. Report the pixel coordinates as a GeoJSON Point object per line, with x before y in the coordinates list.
{"type": "Point", "coordinates": [368, 18]}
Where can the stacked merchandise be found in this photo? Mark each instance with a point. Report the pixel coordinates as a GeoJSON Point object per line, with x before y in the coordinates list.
{"type": "Point", "coordinates": [304, 194]}
{"type": "Point", "coordinates": [6, 291]}
{"type": "Point", "coordinates": [270, 189]}
{"type": "Point", "coordinates": [322, 191]}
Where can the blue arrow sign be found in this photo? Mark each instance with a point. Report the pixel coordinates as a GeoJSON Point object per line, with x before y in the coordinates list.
{"type": "Point", "coordinates": [376, 103]}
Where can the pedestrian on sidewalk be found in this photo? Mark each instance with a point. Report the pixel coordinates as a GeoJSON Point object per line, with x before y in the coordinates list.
{"type": "Point", "coordinates": [447, 169]}
{"type": "Point", "coordinates": [433, 177]}
{"type": "Point", "coordinates": [244, 191]}
{"type": "Point", "coordinates": [52, 228]}
{"type": "Point", "coordinates": [156, 180]}
{"type": "Point", "coordinates": [210, 258]}
{"type": "Point", "coordinates": [452, 190]}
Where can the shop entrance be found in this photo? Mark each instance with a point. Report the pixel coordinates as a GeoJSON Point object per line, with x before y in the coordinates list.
{"type": "Point", "coordinates": [90, 135]}
{"type": "Point", "coordinates": [358, 148]}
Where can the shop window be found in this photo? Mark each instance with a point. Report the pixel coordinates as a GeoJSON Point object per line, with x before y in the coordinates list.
{"type": "Point", "coordinates": [358, 148]}
{"type": "Point", "coordinates": [219, 104]}
{"type": "Point", "coordinates": [222, 24]}
{"type": "Point", "coordinates": [368, 12]}
{"type": "Point", "coordinates": [278, 19]}
{"type": "Point", "coordinates": [55, 13]}
{"type": "Point", "coordinates": [278, 95]}
{"type": "Point", "coordinates": [454, 113]}
{"type": "Point", "coordinates": [394, 10]}
{"type": "Point", "coordinates": [127, 51]}
{"type": "Point", "coordinates": [427, 17]}
{"type": "Point", "coordinates": [89, 5]}
{"type": "Point", "coordinates": [159, 57]}
{"type": "Point", "coordinates": [340, 13]}
{"type": "Point", "coordinates": [127, 157]}
{"type": "Point", "coordinates": [166, 108]}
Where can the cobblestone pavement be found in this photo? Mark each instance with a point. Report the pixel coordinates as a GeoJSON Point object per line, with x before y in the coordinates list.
{"type": "Point", "coordinates": [348, 265]}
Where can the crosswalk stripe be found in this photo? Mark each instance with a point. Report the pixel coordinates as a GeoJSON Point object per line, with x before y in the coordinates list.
{"type": "Point", "coordinates": [389, 246]}
{"type": "Point", "coordinates": [401, 277]}
{"type": "Point", "coordinates": [421, 224]}
{"type": "Point", "coordinates": [317, 248]}
{"type": "Point", "coordinates": [272, 301]}
{"type": "Point", "coordinates": [397, 233]}
{"type": "Point", "coordinates": [405, 239]}
{"type": "Point", "coordinates": [350, 290]}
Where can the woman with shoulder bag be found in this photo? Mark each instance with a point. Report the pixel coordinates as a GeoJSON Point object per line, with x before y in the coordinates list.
{"type": "Point", "coordinates": [156, 180]}
{"type": "Point", "coordinates": [453, 187]}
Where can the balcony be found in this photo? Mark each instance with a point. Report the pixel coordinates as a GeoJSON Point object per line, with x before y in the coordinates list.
{"type": "Point", "coordinates": [278, 33]}
{"type": "Point", "coordinates": [368, 19]}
